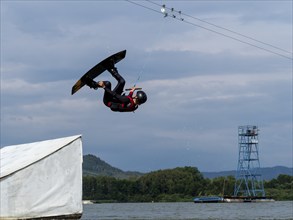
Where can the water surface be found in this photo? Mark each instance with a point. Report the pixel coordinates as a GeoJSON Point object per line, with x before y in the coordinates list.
{"type": "Point", "coordinates": [188, 211]}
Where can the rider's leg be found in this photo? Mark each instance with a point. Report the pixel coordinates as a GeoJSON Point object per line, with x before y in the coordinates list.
{"type": "Point", "coordinates": [107, 96]}
{"type": "Point", "coordinates": [121, 81]}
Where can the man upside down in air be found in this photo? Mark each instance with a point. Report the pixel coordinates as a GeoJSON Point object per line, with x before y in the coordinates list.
{"type": "Point", "coordinates": [114, 98]}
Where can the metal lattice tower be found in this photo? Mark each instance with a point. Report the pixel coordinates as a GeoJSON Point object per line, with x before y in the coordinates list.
{"type": "Point", "coordinates": [249, 181]}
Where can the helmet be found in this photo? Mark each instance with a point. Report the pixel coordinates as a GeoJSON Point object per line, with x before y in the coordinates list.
{"type": "Point", "coordinates": [141, 97]}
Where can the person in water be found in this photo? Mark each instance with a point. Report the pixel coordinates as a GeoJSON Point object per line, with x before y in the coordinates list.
{"type": "Point", "coordinates": [114, 99]}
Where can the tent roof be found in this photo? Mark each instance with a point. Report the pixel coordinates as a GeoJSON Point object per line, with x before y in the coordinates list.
{"type": "Point", "coordinates": [17, 157]}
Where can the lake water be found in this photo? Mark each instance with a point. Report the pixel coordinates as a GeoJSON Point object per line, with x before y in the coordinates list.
{"type": "Point", "coordinates": [184, 211]}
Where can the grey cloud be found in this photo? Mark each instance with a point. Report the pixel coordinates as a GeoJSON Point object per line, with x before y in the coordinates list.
{"type": "Point", "coordinates": [197, 96]}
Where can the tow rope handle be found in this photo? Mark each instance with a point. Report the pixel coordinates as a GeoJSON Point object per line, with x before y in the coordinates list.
{"type": "Point", "coordinates": [134, 89]}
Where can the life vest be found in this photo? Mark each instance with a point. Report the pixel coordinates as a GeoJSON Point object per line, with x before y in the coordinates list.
{"type": "Point", "coordinates": [130, 106]}
{"type": "Point", "coordinates": [122, 107]}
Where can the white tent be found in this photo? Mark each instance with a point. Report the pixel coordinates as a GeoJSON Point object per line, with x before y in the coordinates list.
{"type": "Point", "coordinates": [42, 179]}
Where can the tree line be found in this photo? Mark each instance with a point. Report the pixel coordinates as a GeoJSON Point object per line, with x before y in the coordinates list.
{"type": "Point", "coordinates": [173, 185]}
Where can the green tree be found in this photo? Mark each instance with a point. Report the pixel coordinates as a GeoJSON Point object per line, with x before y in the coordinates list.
{"type": "Point", "coordinates": [178, 184]}
{"type": "Point", "coordinates": [89, 187]}
{"type": "Point", "coordinates": [181, 180]}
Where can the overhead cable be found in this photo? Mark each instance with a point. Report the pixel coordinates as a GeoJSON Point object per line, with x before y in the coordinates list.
{"type": "Point", "coordinates": [223, 28]}
{"type": "Point", "coordinates": [178, 15]}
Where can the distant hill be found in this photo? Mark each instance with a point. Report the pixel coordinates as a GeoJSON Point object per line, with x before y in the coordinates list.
{"type": "Point", "coordinates": [94, 166]}
{"type": "Point", "coordinates": [268, 173]}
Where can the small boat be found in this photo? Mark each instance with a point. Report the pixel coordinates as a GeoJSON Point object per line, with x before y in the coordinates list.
{"type": "Point", "coordinates": [208, 199]}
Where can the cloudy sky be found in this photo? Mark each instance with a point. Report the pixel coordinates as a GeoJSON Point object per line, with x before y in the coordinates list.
{"type": "Point", "coordinates": [202, 81]}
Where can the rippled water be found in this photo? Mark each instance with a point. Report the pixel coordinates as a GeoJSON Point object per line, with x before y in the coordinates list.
{"type": "Point", "coordinates": [162, 211]}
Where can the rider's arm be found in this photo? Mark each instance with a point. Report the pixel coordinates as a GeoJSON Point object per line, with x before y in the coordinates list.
{"type": "Point", "coordinates": [131, 91]}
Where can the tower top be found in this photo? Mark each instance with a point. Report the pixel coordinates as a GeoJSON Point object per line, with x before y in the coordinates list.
{"type": "Point", "coordinates": [248, 130]}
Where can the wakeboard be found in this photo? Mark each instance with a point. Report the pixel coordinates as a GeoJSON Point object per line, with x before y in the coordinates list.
{"type": "Point", "coordinates": [98, 69]}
